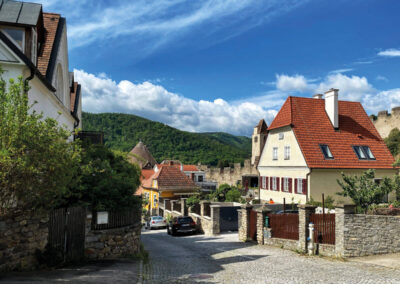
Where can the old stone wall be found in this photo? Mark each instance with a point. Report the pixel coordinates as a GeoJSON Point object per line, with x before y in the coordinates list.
{"type": "Point", "coordinates": [370, 234]}
{"type": "Point", "coordinates": [229, 175]}
{"type": "Point", "coordinates": [21, 234]}
{"type": "Point", "coordinates": [386, 121]}
{"type": "Point", "coordinates": [112, 243]}
{"type": "Point", "coordinates": [282, 243]}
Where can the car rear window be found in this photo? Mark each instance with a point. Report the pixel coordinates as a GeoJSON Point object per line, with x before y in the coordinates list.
{"type": "Point", "coordinates": [185, 220]}
{"type": "Point", "coordinates": [157, 218]}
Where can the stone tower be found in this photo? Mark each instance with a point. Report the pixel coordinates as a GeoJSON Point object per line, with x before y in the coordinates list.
{"type": "Point", "coordinates": [258, 138]}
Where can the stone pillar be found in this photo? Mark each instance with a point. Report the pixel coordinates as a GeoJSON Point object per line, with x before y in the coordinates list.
{"type": "Point", "coordinates": [202, 205]}
{"type": "Point", "coordinates": [183, 205]}
{"type": "Point", "coordinates": [305, 212]}
{"type": "Point", "coordinates": [244, 225]}
{"type": "Point", "coordinates": [261, 214]}
{"type": "Point", "coordinates": [215, 225]}
{"type": "Point", "coordinates": [340, 227]}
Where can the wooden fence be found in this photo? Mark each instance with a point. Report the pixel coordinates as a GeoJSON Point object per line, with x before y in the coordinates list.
{"type": "Point", "coordinates": [285, 226]}
{"type": "Point", "coordinates": [196, 209]}
{"type": "Point", "coordinates": [168, 205]}
{"type": "Point", "coordinates": [177, 206]}
{"type": "Point", "coordinates": [324, 228]}
{"type": "Point", "coordinates": [117, 219]}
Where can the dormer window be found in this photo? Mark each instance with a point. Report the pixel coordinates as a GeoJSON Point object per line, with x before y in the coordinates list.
{"type": "Point", "coordinates": [16, 35]}
{"type": "Point", "coordinates": [363, 153]}
{"type": "Point", "coordinates": [326, 151]}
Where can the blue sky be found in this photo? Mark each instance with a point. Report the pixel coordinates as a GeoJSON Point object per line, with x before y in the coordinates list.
{"type": "Point", "coordinates": [210, 65]}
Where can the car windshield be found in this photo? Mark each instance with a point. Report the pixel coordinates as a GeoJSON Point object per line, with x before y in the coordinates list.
{"type": "Point", "coordinates": [185, 220]}
{"type": "Point", "coordinates": [157, 218]}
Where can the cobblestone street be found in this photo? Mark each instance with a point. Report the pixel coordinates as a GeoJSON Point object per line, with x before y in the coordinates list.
{"type": "Point", "coordinates": [221, 259]}
{"type": "Point", "coordinates": [191, 259]}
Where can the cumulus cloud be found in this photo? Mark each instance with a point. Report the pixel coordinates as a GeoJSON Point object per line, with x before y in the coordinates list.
{"type": "Point", "coordinates": [383, 100]}
{"type": "Point", "coordinates": [102, 94]}
{"type": "Point", "coordinates": [291, 83]}
{"type": "Point", "coordinates": [351, 87]}
{"type": "Point", "coordinates": [392, 52]}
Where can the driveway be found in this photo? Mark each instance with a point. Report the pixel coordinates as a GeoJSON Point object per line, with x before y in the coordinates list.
{"type": "Point", "coordinates": [221, 259]}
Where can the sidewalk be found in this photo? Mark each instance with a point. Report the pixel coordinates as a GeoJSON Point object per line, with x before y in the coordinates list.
{"type": "Point", "coordinates": [386, 260]}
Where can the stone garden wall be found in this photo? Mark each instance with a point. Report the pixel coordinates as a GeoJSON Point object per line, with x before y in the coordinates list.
{"type": "Point", "coordinates": [370, 234]}
{"type": "Point", "coordinates": [112, 243]}
{"type": "Point", "coordinates": [20, 236]}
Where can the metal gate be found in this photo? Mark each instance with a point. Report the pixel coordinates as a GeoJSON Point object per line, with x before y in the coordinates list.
{"type": "Point", "coordinates": [253, 225]}
{"type": "Point", "coordinates": [67, 232]}
{"type": "Point", "coordinates": [228, 219]}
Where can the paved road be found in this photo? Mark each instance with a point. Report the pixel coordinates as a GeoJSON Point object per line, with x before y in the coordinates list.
{"type": "Point", "coordinates": [222, 259]}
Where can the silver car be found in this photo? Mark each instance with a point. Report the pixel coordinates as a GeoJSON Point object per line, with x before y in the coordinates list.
{"type": "Point", "coordinates": [156, 222]}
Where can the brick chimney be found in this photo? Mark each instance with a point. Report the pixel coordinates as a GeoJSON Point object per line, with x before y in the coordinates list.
{"type": "Point", "coordinates": [332, 106]}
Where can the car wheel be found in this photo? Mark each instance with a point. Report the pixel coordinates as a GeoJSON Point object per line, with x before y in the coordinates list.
{"type": "Point", "coordinates": [168, 231]}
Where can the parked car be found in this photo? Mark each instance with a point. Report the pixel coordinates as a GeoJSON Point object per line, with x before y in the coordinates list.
{"type": "Point", "coordinates": [181, 224]}
{"type": "Point", "coordinates": [156, 222]}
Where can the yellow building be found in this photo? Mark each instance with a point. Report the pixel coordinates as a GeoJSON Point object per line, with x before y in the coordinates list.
{"type": "Point", "coordinates": [311, 141]}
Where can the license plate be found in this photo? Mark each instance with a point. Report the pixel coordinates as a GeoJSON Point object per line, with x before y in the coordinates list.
{"type": "Point", "coordinates": [185, 225]}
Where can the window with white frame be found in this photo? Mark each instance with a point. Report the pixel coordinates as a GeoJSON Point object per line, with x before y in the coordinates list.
{"type": "Point", "coordinates": [34, 47]}
{"type": "Point", "coordinates": [281, 136]}
{"type": "Point", "coordinates": [274, 183]}
{"type": "Point", "coordinates": [16, 35]}
{"type": "Point", "coordinates": [264, 182]}
{"type": "Point", "coordinates": [287, 152]}
{"type": "Point", "coordinates": [146, 195]}
{"type": "Point", "coordinates": [155, 200]}
{"type": "Point", "coordinates": [299, 188]}
{"type": "Point", "coordinates": [286, 184]}
{"type": "Point", "coordinates": [275, 153]}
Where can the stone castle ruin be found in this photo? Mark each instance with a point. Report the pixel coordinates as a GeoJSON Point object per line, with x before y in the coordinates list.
{"type": "Point", "coordinates": [386, 121]}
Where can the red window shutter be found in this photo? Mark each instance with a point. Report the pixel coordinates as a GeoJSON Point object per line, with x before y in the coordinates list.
{"type": "Point", "coordinates": [270, 183]}
{"type": "Point", "coordinates": [290, 185]}
{"type": "Point", "coordinates": [295, 185]}
{"type": "Point", "coordinates": [260, 182]}
{"type": "Point", "coordinates": [266, 182]}
{"type": "Point", "coordinates": [277, 183]}
{"type": "Point", "coordinates": [282, 183]}
{"type": "Point", "coordinates": [304, 186]}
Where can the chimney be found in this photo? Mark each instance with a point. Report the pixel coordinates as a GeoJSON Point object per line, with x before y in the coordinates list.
{"type": "Point", "coordinates": [318, 96]}
{"type": "Point", "coordinates": [332, 107]}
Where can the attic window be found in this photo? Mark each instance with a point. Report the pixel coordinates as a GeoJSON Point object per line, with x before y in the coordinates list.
{"type": "Point", "coordinates": [326, 151]}
{"type": "Point", "coordinates": [281, 136]}
{"type": "Point", "coordinates": [17, 36]}
{"type": "Point", "coordinates": [363, 153]}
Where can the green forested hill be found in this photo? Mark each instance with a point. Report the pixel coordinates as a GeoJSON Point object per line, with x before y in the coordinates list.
{"type": "Point", "coordinates": [123, 131]}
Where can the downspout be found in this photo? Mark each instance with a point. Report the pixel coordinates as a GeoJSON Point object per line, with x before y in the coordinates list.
{"type": "Point", "coordinates": [308, 183]}
{"type": "Point", "coordinates": [30, 76]}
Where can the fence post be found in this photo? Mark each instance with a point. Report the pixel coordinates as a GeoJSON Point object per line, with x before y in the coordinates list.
{"type": "Point", "coordinates": [261, 214]}
{"type": "Point", "coordinates": [215, 225]}
{"type": "Point", "coordinates": [244, 224]}
{"type": "Point", "coordinates": [340, 212]}
{"type": "Point", "coordinates": [305, 212]}
{"type": "Point", "coordinates": [203, 203]}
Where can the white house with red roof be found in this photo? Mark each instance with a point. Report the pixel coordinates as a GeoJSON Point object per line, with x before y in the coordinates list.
{"type": "Point", "coordinates": [33, 44]}
{"type": "Point", "coordinates": [311, 141]}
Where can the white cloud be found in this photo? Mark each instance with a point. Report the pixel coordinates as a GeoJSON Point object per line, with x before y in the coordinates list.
{"type": "Point", "coordinates": [392, 52]}
{"type": "Point", "coordinates": [150, 24]}
{"type": "Point", "coordinates": [383, 100]}
{"type": "Point", "coordinates": [292, 83]}
{"type": "Point", "coordinates": [101, 94]}
{"type": "Point", "coordinates": [382, 78]}
{"type": "Point", "coordinates": [351, 87]}
{"type": "Point", "coordinates": [344, 70]}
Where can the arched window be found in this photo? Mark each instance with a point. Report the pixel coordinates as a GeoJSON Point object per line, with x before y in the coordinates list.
{"type": "Point", "coordinates": [60, 84]}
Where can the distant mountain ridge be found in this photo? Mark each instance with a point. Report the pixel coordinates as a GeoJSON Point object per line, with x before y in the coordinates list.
{"type": "Point", "coordinates": [123, 131]}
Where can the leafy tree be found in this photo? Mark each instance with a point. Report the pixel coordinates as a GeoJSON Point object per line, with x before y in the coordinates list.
{"type": "Point", "coordinates": [393, 141]}
{"type": "Point", "coordinates": [364, 190]}
{"type": "Point", "coordinates": [193, 200]}
{"type": "Point", "coordinates": [226, 193]}
{"type": "Point", "coordinates": [107, 181]}
{"type": "Point", "coordinates": [233, 195]}
{"type": "Point", "coordinates": [329, 202]}
{"type": "Point", "coordinates": [37, 163]}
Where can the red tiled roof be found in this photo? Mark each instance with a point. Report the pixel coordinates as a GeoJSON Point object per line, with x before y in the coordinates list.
{"type": "Point", "coordinates": [50, 21]}
{"type": "Point", "coordinates": [190, 168]}
{"type": "Point", "coordinates": [312, 127]}
{"type": "Point", "coordinates": [147, 173]}
{"type": "Point", "coordinates": [170, 177]}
